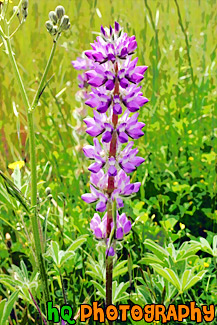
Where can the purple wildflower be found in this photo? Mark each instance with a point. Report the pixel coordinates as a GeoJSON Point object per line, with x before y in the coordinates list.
{"type": "Point", "coordinates": [117, 98]}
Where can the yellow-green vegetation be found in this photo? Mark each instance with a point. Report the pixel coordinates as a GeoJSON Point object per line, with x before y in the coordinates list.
{"type": "Point", "coordinates": [177, 201]}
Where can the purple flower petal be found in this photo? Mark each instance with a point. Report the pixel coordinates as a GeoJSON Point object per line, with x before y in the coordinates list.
{"type": "Point", "coordinates": [89, 151]}
{"type": "Point", "coordinates": [95, 167]}
{"type": "Point", "coordinates": [107, 136]}
{"type": "Point", "coordinates": [119, 233]}
{"type": "Point", "coordinates": [98, 233]}
{"type": "Point", "coordinates": [112, 171]}
{"type": "Point", "coordinates": [89, 198]}
{"type": "Point", "coordinates": [127, 227]}
{"type": "Point", "coordinates": [122, 136]}
{"type": "Point", "coordinates": [101, 206]}
{"type": "Point", "coordinates": [110, 252]}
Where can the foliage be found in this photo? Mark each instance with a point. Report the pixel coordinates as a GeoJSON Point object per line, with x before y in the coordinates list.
{"type": "Point", "coordinates": [171, 253]}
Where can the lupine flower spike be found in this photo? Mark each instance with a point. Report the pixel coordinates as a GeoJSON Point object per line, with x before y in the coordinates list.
{"type": "Point", "coordinates": [116, 99]}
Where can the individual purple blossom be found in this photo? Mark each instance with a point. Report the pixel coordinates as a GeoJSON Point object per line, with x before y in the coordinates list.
{"type": "Point", "coordinates": [98, 125]}
{"type": "Point", "coordinates": [129, 126]}
{"type": "Point", "coordinates": [97, 153]}
{"type": "Point", "coordinates": [99, 100]}
{"type": "Point", "coordinates": [82, 63]}
{"type": "Point", "coordinates": [133, 73]}
{"type": "Point", "coordinates": [123, 188]}
{"type": "Point", "coordinates": [134, 98]}
{"type": "Point", "coordinates": [96, 196]}
{"type": "Point", "coordinates": [98, 226]}
{"type": "Point", "coordinates": [129, 161]}
{"type": "Point", "coordinates": [117, 108]}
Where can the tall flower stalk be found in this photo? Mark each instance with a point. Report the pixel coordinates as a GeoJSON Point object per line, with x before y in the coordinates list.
{"type": "Point", "coordinates": [56, 25]}
{"type": "Point", "coordinates": [115, 94]}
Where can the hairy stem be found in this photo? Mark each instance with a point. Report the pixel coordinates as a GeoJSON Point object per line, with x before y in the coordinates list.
{"type": "Point", "coordinates": [34, 214]}
{"type": "Point", "coordinates": [42, 82]}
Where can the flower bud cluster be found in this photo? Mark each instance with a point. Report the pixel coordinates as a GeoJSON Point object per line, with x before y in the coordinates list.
{"type": "Point", "coordinates": [58, 21]}
{"type": "Point", "coordinates": [24, 9]}
{"type": "Point", "coordinates": [117, 98]}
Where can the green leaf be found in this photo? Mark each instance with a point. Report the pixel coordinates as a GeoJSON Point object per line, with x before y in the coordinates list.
{"type": "Point", "coordinates": [9, 282]}
{"type": "Point", "coordinates": [205, 246]}
{"type": "Point", "coordinates": [159, 251]}
{"type": "Point", "coordinates": [189, 281]}
{"type": "Point", "coordinates": [54, 252]}
{"type": "Point", "coordinates": [16, 175]}
{"type": "Point", "coordinates": [2, 306]}
{"type": "Point", "coordinates": [151, 258]}
{"type": "Point", "coordinates": [14, 191]}
{"type": "Point", "coordinates": [215, 245]}
{"type": "Point", "coordinates": [120, 269]}
{"type": "Point", "coordinates": [5, 197]}
{"type": "Point", "coordinates": [168, 274]}
{"type": "Point", "coordinates": [9, 306]}
{"type": "Point", "coordinates": [101, 290]}
{"type": "Point", "coordinates": [77, 243]}
{"type": "Point", "coordinates": [118, 291]}
{"type": "Point", "coordinates": [188, 249]}
{"type": "Point", "coordinates": [169, 223]}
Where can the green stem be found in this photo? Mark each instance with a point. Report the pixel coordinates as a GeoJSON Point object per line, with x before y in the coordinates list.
{"type": "Point", "coordinates": [62, 284]}
{"type": "Point", "coordinates": [34, 217]}
{"type": "Point", "coordinates": [42, 82]}
{"type": "Point", "coordinates": [215, 265]}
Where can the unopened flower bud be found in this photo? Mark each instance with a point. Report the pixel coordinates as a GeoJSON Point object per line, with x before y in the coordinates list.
{"type": "Point", "coordinates": [8, 236]}
{"type": "Point", "coordinates": [49, 25]}
{"type": "Point", "coordinates": [65, 24]}
{"type": "Point", "coordinates": [8, 240]}
{"type": "Point", "coordinates": [48, 190]}
{"type": "Point", "coordinates": [53, 17]}
{"type": "Point", "coordinates": [15, 9]}
{"type": "Point", "coordinates": [60, 11]}
{"type": "Point", "coordinates": [25, 4]}
{"type": "Point", "coordinates": [54, 30]}
{"type": "Point", "coordinates": [24, 13]}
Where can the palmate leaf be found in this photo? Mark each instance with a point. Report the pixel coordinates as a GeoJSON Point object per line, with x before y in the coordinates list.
{"type": "Point", "coordinates": [60, 257]}
{"type": "Point", "coordinates": [12, 190]}
{"type": "Point", "coordinates": [168, 274]}
{"type": "Point", "coordinates": [151, 258]}
{"type": "Point", "coordinates": [159, 251]}
{"type": "Point", "coordinates": [187, 249]}
{"type": "Point", "coordinates": [119, 291]}
{"type": "Point", "coordinates": [189, 279]}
